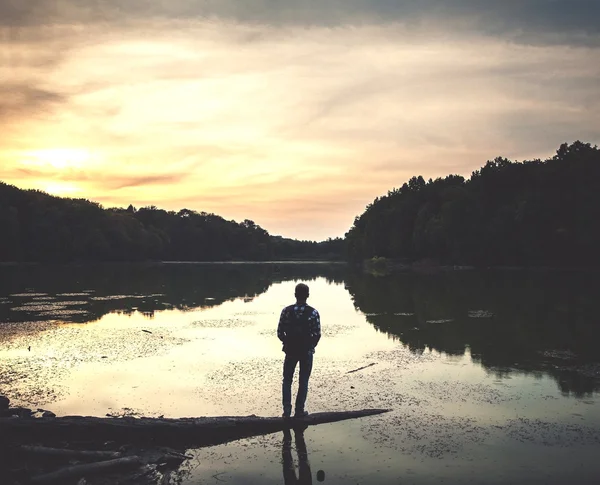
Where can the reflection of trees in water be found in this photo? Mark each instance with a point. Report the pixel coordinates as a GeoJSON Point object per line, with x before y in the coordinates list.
{"type": "Point", "coordinates": [146, 287]}
{"type": "Point", "coordinates": [516, 318]}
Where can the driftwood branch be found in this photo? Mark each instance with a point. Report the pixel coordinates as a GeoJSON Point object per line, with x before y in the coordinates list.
{"type": "Point", "coordinates": [182, 432]}
{"type": "Point", "coordinates": [78, 471]}
{"type": "Point", "coordinates": [71, 454]}
{"type": "Point", "coordinates": [361, 368]}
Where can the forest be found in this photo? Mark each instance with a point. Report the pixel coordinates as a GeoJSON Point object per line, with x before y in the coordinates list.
{"type": "Point", "coordinates": [530, 213]}
{"type": "Point", "coordinates": [38, 227]}
{"type": "Point", "coordinates": [509, 213]}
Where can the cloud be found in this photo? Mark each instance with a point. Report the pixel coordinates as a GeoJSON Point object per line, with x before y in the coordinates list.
{"type": "Point", "coordinates": [27, 101]}
{"type": "Point", "coordinates": [122, 182]}
{"type": "Point", "coordinates": [94, 179]}
{"type": "Point", "coordinates": [528, 21]}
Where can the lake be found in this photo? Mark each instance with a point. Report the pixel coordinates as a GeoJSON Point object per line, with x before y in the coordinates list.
{"type": "Point", "coordinates": [492, 376]}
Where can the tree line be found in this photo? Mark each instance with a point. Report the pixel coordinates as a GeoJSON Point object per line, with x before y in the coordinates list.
{"type": "Point", "coordinates": [508, 213]}
{"type": "Point", "coordinates": [39, 227]}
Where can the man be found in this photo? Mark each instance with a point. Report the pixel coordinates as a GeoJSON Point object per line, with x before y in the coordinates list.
{"type": "Point", "coordinates": [300, 331]}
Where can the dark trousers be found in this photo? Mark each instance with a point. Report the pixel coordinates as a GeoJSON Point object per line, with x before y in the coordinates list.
{"type": "Point", "coordinates": [289, 366]}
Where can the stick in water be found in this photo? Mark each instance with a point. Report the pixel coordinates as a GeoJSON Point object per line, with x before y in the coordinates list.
{"type": "Point", "coordinates": [361, 368]}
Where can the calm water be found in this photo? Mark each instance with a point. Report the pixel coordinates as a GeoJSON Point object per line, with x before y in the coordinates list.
{"type": "Point", "coordinates": [492, 376]}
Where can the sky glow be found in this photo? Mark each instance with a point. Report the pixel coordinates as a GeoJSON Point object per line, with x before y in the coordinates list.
{"type": "Point", "coordinates": [296, 118]}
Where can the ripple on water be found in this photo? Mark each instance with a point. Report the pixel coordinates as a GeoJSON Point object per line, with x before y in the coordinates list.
{"type": "Point", "coordinates": [331, 387]}
{"type": "Point", "coordinates": [558, 354]}
{"type": "Point", "coordinates": [417, 432]}
{"type": "Point", "coordinates": [223, 323]}
{"type": "Point", "coordinates": [459, 391]}
{"type": "Point", "coordinates": [31, 381]}
{"type": "Point", "coordinates": [73, 302]}
{"type": "Point", "coordinates": [480, 314]}
{"type": "Point", "coordinates": [327, 331]}
{"type": "Point", "coordinates": [249, 313]}
{"type": "Point", "coordinates": [60, 313]}
{"type": "Point", "coordinates": [334, 330]}
{"type": "Point", "coordinates": [38, 307]}
{"type": "Point", "coordinates": [227, 388]}
{"type": "Point", "coordinates": [115, 297]}
{"type": "Point", "coordinates": [376, 386]}
{"type": "Point", "coordinates": [548, 433]}
{"type": "Point", "coordinates": [35, 379]}
{"type": "Point", "coordinates": [401, 356]}
{"type": "Point", "coordinates": [17, 334]}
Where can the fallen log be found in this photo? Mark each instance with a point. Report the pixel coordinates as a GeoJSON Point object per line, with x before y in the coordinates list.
{"type": "Point", "coordinates": [70, 454]}
{"type": "Point", "coordinates": [78, 471]}
{"type": "Point", "coordinates": [183, 432]}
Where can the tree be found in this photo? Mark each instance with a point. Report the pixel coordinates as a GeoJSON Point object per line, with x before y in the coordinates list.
{"type": "Point", "coordinates": [508, 213]}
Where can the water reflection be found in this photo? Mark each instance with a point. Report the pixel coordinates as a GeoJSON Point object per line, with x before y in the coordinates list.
{"type": "Point", "coordinates": [508, 321]}
{"type": "Point", "coordinates": [532, 322]}
{"type": "Point", "coordinates": [304, 476]}
{"type": "Point", "coordinates": [450, 420]}
{"type": "Point", "coordinates": [83, 293]}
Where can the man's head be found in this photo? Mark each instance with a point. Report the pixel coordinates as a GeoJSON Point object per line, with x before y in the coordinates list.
{"type": "Point", "coordinates": [301, 292]}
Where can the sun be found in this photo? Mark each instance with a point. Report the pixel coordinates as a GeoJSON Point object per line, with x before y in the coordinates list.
{"type": "Point", "coordinates": [53, 168]}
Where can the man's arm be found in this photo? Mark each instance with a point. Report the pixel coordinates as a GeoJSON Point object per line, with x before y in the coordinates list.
{"type": "Point", "coordinates": [282, 327]}
{"type": "Point", "coordinates": [315, 328]}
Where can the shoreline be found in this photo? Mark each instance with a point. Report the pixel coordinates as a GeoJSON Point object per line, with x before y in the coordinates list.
{"type": "Point", "coordinates": [383, 266]}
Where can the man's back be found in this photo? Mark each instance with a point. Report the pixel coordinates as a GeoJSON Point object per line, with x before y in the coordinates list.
{"type": "Point", "coordinates": [299, 328]}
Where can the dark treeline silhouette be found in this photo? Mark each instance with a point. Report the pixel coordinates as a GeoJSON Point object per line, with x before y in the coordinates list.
{"type": "Point", "coordinates": [509, 213]}
{"type": "Point", "coordinates": [533, 213]}
{"type": "Point", "coordinates": [535, 322]}
{"type": "Point", "coordinates": [40, 227]}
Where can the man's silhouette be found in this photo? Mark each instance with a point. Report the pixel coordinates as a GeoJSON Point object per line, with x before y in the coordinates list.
{"type": "Point", "coordinates": [300, 331]}
{"type": "Point", "coordinates": [289, 471]}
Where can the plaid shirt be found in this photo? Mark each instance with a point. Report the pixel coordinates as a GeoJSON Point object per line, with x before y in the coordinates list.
{"type": "Point", "coordinates": [288, 318]}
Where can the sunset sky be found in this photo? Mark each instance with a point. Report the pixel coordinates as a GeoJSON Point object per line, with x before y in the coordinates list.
{"type": "Point", "coordinates": [293, 114]}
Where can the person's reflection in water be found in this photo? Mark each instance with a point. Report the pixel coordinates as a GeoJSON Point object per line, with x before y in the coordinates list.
{"type": "Point", "coordinates": [289, 472]}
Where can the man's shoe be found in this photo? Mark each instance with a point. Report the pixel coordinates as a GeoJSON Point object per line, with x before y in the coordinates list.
{"type": "Point", "coordinates": [286, 416]}
{"type": "Point", "coordinates": [300, 414]}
